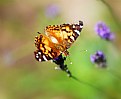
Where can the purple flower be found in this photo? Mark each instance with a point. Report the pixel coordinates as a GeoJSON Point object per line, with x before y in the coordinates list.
{"type": "Point", "coordinates": [99, 59]}
{"type": "Point", "coordinates": [104, 31]}
{"type": "Point", "coordinates": [52, 11]}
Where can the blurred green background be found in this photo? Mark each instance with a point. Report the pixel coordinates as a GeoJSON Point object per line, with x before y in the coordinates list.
{"type": "Point", "coordinates": [22, 77]}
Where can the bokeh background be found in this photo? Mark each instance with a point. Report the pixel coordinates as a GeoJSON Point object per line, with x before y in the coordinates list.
{"type": "Point", "coordinates": [22, 77]}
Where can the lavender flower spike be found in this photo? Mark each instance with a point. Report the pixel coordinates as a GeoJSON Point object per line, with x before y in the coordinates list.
{"type": "Point", "coordinates": [99, 59]}
{"type": "Point", "coordinates": [104, 31]}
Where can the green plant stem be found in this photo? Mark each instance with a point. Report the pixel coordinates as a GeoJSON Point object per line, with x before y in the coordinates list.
{"type": "Point", "coordinates": [116, 75]}
{"type": "Point", "coordinates": [94, 87]}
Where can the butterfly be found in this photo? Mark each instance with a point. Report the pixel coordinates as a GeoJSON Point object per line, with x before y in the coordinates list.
{"type": "Point", "coordinates": [57, 40]}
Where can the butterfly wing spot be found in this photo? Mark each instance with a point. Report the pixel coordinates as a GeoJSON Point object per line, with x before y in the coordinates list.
{"type": "Point", "coordinates": [77, 32]}
{"type": "Point", "coordinates": [81, 23]}
{"type": "Point", "coordinates": [40, 60]}
{"type": "Point", "coordinates": [73, 26]}
{"type": "Point", "coordinates": [47, 48]}
{"type": "Point", "coordinates": [44, 57]}
{"type": "Point", "coordinates": [54, 40]}
{"type": "Point", "coordinates": [81, 26]}
{"type": "Point", "coordinates": [37, 56]}
{"type": "Point", "coordinates": [72, 38]}
{"type": "Point", "coordinates": [39, 53]}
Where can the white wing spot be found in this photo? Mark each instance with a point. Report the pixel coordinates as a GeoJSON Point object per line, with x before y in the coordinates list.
{"type": "Point", "coordinates": [73, 26]}
{"type": "Point", "coordinates": [77, 32]}
{"type": "Point", "coordinates": [81, 26]}
{"type": "Point", "coordinates": [45, 58]}
{"type": "Point", "coordinates": [72, 38]}
{"type": "Point", "coordinates": [54, 40]}
{"type": "Point", "coordinates": [39, 53]}
{"type": "Point", "coordinates": [40, 59]}
{"type": "Point", "coordinates": [37, 56]}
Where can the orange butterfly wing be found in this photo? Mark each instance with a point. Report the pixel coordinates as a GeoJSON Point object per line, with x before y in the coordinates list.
{"type": "Point", "coordinates": [59, 38]}
{"type": "Point", "coordinates": [65, 34]}
{"type": "Point", "coordinates": [46, 49]}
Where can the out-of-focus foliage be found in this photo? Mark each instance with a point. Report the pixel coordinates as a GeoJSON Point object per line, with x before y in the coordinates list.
{"type": "Point", "coordinates": [22, 77]}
